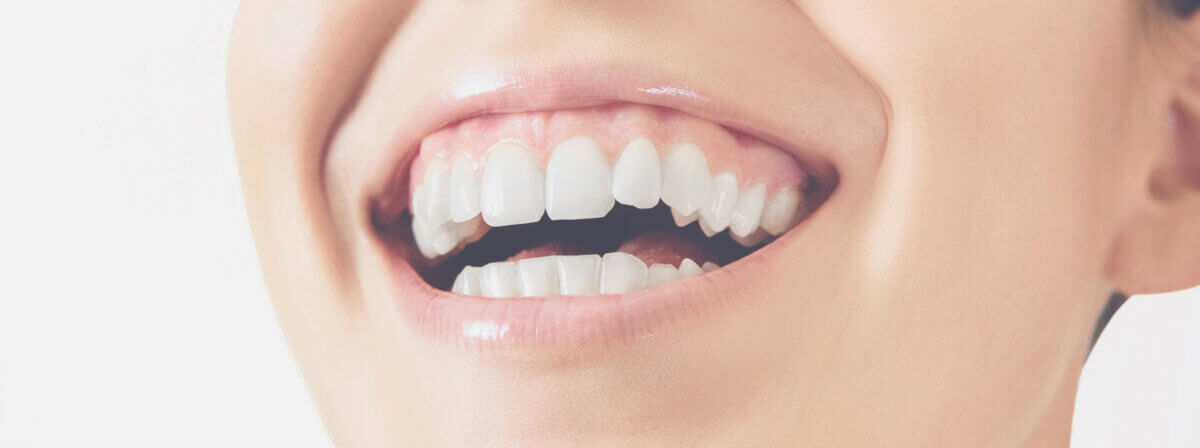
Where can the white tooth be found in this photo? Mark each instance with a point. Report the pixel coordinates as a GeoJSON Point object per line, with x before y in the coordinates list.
{"type": "Point", "coordinates": [622, 272]}
{"type": "Point", "coordinates": [424, 239]}
{"type": "Point", "coordinates": [436, 186]}
{"type": "Point", "coordinates": [436, 240]}
{"type": "Point", "coordinates": [467, 282]}
{"type": "Point", "coordinates": [464, 191]}
{"type": "Point", "coordinates": [578, 274]}
{"type": "Point", "coordinates": [686, 183]}
{"type": "Point", "coordinates": [499, 280]}
{"type": "Point", "coordinates": [578, 180]}
{"type": "Point", "coordinates": [689, 268]}
{"type": "Point", "coordinates": [709, 266]}
{"type": "Point", "coordinates": [719, 211]}
{"type": "Point", "coordinates": [513, 187]}
{"type": "Point", "coordinates": [539, 276]}
{"type": "Point", "coordinates": [637, 175]}
{"type": "Point", "coordinates": [748, 211]}
{"type": "Point", "coordinates": [752, 239]}
{"type": "Point", "coordinates": [708, 231]}
{"type": "Point", "coordinates": [682, 220]}
{"type": "Point", "coordinates": [658, 274]}
{"type": "Point", "coordinates": [780, 212]}
{"type": "Point", "coordinates": [470, 231]}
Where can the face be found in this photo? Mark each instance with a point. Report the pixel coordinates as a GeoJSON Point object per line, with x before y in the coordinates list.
{"type": "Point", "coordinates": [818, 223]}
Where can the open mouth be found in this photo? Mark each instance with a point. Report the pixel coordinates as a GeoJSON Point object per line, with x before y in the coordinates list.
{"type": "Point", "coordinates": [599, 200]}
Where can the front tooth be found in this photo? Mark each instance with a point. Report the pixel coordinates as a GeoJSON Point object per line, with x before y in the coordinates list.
{"type": "Point", "coordinates": [499, 280]}
{"type": "Point", "coordinates": [752, 239]}
{"type": "Point", "coordinates": [719, 212]}
{"type": "Point", "coordinates": [686, 184]}
{"type": "Point", "coordinates": [748, 211]}
{"type": "Point", "coordinates": [621, 272]}
{"type": "Point", "coordinates": [681, 219]}
{"type": "Point", "coordinates": [467, 282]}
{"type": "Point", "coordinates": [658, 274]}
{"type": "Point", "coordinates": [539, 276]}
{"type": "Point", "coordinates": [637, 175]}
{"type": "Point", "coordinates": [780, 212]}
{"type": "Point", "coordinates": [689, 268]}
{"type": "Point", "coordinates": [709, 266]}
{"type": "Point", "coordinates": [513, 187]}
{"type": "Point", "coordinates": [436, 186]}
{"type": "Point", "coordinates": [464, 191]}
{"type": "Point", "coordinates": [578, 274]}
{"type": "Point", "coordinates": [578, 180]}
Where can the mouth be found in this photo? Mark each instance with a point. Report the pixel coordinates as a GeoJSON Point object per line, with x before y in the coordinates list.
{"type": "Point", "coordinates": [609, 208]}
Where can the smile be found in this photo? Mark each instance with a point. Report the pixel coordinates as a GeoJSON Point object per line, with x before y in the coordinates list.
{"type": "Point", "coordinates": [561, 220]}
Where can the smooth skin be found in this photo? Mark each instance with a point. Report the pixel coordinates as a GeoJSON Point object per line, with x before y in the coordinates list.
{"type": "Point", "coordinates": [1038, 156]}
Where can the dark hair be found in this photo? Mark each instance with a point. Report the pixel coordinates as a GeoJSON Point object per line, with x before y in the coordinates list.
{"type": "Point", "coordinates": [1183, 8]}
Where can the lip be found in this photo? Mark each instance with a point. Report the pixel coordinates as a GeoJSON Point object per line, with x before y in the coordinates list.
{"type": "Point", "coordinates": [574, 321]}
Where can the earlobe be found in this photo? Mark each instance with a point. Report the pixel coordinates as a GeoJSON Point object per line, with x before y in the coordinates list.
{"type": "Point", "coordinates": [1158, 250]}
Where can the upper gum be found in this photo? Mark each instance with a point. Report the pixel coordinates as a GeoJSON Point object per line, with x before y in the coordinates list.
{"type": "Point", "coordinates": [613, 126]}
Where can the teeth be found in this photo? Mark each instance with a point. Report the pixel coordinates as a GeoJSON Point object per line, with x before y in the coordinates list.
{"type": "Point", "coordinates": [467, 282]}
{"type": "Point", "coordinates": [717, 215]}
{"type": "Point", "coordinates": [659, 274]}
{"type": "Point", "coordinates": [471, 231]}
{"type": "Point", "coordinates": [434, 241]}
{"type": "Point", "coordinates": [513, 188]}
{"type": "Point", "coordinates": [637, 175]}
{"type": "Point", "coordinates": [780, 211]}
{"type": "Point", "coordinates": [689, 268]}
{"type": "Point", "coordinates": [752, 239]}
{"type": "Point", "coordinates": [615, 273]}
{"type": "Point", "coordinates": [433, 207]}
{"type": "Point", "coordinates": [687, 183]}
{"type": "Point", "coordinates": [539, 276]}
{"type": "Point", "coordinates": [683, 220]}
{"type": "Point", "coordinates": [464, 191]}
{"type": "Point", "coordinates": [748, 211]}
{"type": "Point", "coordinates": [578, 274]}
{"type": "Point", "coordinates": [621, 272]}
{"type": "Point", "coordinates": [579, 181]}
{"type": "Point", "coordinates": [499, 280]}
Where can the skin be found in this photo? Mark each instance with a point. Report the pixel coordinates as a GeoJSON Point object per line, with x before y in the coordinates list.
{"type": "Point", "coordinates": [1035, 157]}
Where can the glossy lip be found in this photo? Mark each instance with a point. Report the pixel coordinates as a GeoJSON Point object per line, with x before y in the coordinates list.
{"type": "Point", "coordinates": [572, 321]}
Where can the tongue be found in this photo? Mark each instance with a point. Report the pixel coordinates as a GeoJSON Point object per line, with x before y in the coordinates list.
{"type": "Point", "coordinates": [652, 247]}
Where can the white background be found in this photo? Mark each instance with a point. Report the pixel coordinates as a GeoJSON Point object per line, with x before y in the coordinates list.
{"type": "Point", "coordinates": [131, 308]}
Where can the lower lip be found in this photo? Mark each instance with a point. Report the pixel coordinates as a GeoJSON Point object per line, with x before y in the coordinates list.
{"type": "Point", "coordinates": [572, 322]}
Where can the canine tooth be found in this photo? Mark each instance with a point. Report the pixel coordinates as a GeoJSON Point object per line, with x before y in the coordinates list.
{"type": "Point", "coordinates": [464, 191]}
{"type": "Point", "coordinates": [683, 220]}
{"type": "Point", "coordinates": [686, 182]}
{"type": "Point", "coordinates": [499, 280]}
{"type": "Point", "coordinates": [578, 180]}
{"type": "Point", "coordinates": [752, 239]}
{"type": "Point", "coordinates": [689, 268]}
{"type": "Point", "coordinates": [748, 211]}
{"type": "Point", "coordinates": [719, 211]}
{"type": "Point", "coordinates": [637, 175]}
{"type": "Point", "coordinates": [658, 274]}
{"type": "Point", "coordinates": [621, 272]}
{"type": "Point", "coordinates": [539, 276]}
{"type": "Point", "coordinates": [436, 188]}
{"type": "Point", "coordinates": [578, 274]}
{"type": "Point", "coordinates": [513, 187]}
{"type": "Point", "coordinates": [708, 231]}
{"type": "Point", "coordinates": [445, 238]}
{"type": "Point", "coordinates": [780, 212]}
{"type": "Point", "coordinates": [434, 241]}
{"type": "Point", "coordinates": [421, 236]}
{"type": "Point", "coordinates": [709, 266]}
{"type": "Point", "coordinates": [467, 282]}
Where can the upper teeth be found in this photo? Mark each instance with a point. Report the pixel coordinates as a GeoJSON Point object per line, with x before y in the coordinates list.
{"type": "Point", "coordinates": [580, 183]}
{"type": "Point", "coordinates": [614, 273]}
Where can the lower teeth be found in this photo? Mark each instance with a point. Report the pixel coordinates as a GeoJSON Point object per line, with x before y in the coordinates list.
{"type": "Point", "coordinates": [563, 275]}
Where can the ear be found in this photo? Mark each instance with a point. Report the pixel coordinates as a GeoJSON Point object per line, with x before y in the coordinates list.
{"type": "Point", "coordinates": [1158, 250]}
